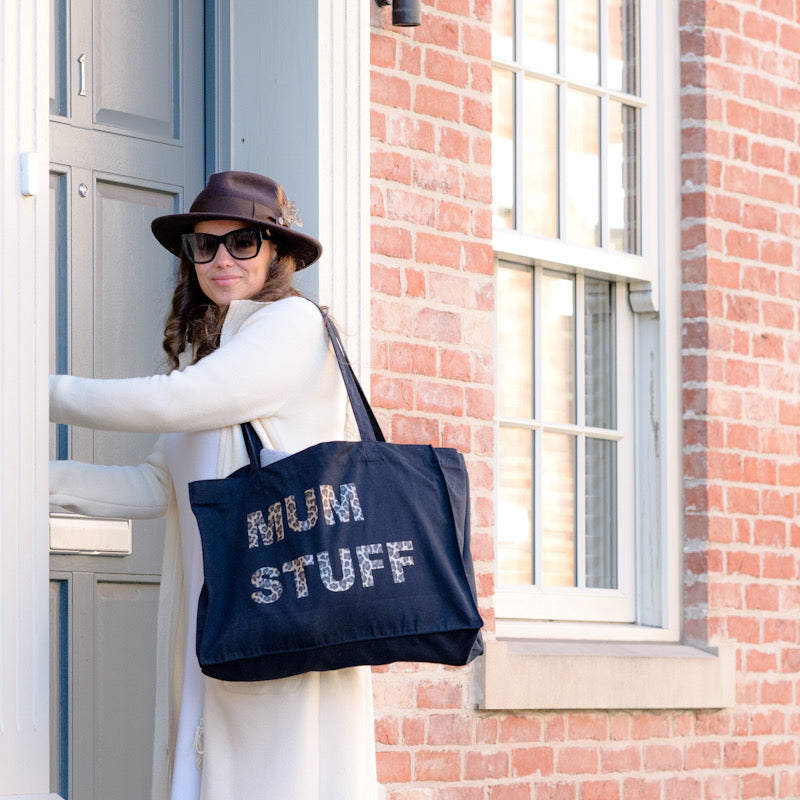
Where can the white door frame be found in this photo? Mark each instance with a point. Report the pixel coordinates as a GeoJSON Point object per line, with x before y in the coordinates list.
{"type": "Point", "coordinates": [330, 182]}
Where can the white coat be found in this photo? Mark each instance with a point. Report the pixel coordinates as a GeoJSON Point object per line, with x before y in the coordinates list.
{"type": "Point", "coordinates": [275, 368]}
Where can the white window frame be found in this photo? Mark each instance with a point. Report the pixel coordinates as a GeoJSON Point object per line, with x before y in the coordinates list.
{"type": "Point", "coordinates": [651, 472]}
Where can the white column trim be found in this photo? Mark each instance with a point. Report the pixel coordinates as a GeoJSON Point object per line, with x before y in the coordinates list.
{"type": "Point", "coordinates": [344, 170]}
{"type": "Point", "coordinates": [24, 337]}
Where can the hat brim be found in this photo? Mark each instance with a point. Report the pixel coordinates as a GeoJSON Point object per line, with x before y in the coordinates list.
{"type": "Point", "coordinates": [169, 229]}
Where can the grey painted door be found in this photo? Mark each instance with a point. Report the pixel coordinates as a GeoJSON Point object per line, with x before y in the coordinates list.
{"type": "Point", "coordinates": [126, 145]}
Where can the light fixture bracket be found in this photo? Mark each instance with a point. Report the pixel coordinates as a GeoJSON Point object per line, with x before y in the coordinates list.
{"type": "Point", "coordinates": [405, 13]}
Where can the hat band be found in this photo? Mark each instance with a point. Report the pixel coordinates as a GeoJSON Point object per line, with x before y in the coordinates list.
{"type": "Point", "coordinates": [232, 207]}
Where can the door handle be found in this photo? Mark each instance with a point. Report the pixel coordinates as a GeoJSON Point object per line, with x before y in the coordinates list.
{"type": "Point", "coordinates": [82, 75]}
{"type": "Point", "coordinates": [70, 533]}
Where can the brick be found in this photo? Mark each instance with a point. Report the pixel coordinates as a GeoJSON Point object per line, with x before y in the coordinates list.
{"type": "Point", "coordinates": [446, 68]}
{"type": "Point", "coordinates": [521, 729]}
{"type": "Point", "coordinates": [439, 326]}
{"type": "Point", "coordinates": [520, 791]}
{"type": "Point", "coordinates": [601, 790]}
{"type": "Point", "coordinates": [413, 731]}
{"type": "Point", "coordinates": [440, 398]}
{"type": "Point", "coordinates": [410, 59]}
{"type": "Point", "coordinates": [414, 430]}
{"type": "Point", "coordinates": [703, 755]}
{"type": "Point", "coordinates": [412, 358]}
{"type": "Point", "coordinates": [740, 754]}
{"type": "Point", "coordinates": [437, 177]}
{"type": "Point", "coordinates": [662, 757]}
{"type": "Point", "coordinates": [454, 143]}
{"type": "Point", "coordinates": [393, 766]}
{"type": "Point", "coordinates": [382, 50]}
{"type": "Point", "coordinates": [577, 760]}
{"type": "Point", "coordinates": [441, 694]}
{"type": "Point", "coordinates": [410, 132]}
{"type": "Point", "coordinates": [626, 758]}
{"type": "Point", "coordinates": [437, 765]}
{"type": "Point", "coordinates": [449, 729]}
{"type": "Point", "coordinates": [390, 166]}
{"type": "Point", "coordinates": [484, 766]}
{"type": "Point", "coordinates": [390, 90]}
{"type": "Point", "coordinates": [682, 789]}
{"type": "Point", "coordinates": [438, 103]}
{"type": "Point", "coordinates": [532, 761]}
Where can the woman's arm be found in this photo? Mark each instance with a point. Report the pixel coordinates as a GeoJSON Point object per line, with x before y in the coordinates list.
{"type": "Point", "coordinates": [275, 354]}
{"type": "Point", "coordinates": [140, 492]}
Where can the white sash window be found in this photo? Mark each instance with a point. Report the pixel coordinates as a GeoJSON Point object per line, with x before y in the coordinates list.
{"type": "Point", "coordinates": [579, 210]}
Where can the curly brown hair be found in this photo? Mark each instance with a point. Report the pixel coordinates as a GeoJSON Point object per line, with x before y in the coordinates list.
{"type": "Point", "coordinates": [195, 322]}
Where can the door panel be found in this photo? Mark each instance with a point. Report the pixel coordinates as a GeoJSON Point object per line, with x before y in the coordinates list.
{"type": "Point", "coordinates": [127, 145]}
{"type": "Point", "coordinates": [136, 83]}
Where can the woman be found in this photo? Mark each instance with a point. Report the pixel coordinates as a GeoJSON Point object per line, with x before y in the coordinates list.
{"type": "Point", "coordinates": [243, 345]}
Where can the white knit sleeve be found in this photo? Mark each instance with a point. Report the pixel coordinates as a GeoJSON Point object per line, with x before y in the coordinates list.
{"type": "Point", "coordinates": [277, 352]}
{"type": "Point", "coordinates": [135, 492]}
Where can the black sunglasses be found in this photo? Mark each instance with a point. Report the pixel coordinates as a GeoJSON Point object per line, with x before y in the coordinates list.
{"type": "Point", "coordinates": [243, 243]}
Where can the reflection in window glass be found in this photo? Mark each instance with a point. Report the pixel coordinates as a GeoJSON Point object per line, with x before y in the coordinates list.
{"type": "Point", "coordinates": [623, 177]}
{"type": "Point", "coordinates": [541, 158]}
{"type": "Point", "coordinates": [582, 39]}
{"type": "Point", "coordinates": [601, 514]}
{"type": "Point", "coordinates": [558, 348]}
{"type": "Point", "coordinates": [583, 169]}
{"type": "Point", "coordinates": [503, 29]}
{"type": "Point", "coordinates": [623, 36]}
{"type": "Point", "coordinates": [515, 342]}
{"type": "Point", "coordinates": [539, 31]}
{"type": "Point", "coordinates": [599, 356]}
{"type": "Point", "coordinates": [558, 510]}
{"type": "Point", "coordinates": [503, 149]}
{"type": "Point", "coordinates": [515, 507]}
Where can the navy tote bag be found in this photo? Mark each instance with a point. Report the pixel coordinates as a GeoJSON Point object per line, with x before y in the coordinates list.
{"type": "Point", "coordinates": [345, 553]}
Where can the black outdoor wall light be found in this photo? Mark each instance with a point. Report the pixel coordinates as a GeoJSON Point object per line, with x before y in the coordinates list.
{"type": "Point", "coordinates": [405, 13]}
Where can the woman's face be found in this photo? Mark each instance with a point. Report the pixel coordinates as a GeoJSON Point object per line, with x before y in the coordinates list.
{"type": "Point", "coordinates": [224, 278]}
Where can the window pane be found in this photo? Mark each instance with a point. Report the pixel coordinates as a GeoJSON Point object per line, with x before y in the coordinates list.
{"type": "Point", "coordinates": [623, 177]}
{"type": "Point", "coordinates": [515, 342]}
{"type": "Point", "coordinates": [503, 29]}
{"type": "Point", "coordinates": [540, 144]}
{"type": "Point", "coordinates": [515, 510]}
{"type": "Point", "coordinates": [539, 31]}
{"type": "Point", "coordinates": [600, 355]}
{"type": "Point", "coordinates": [558, 348]}
{"type": "Point", "coordinates": [582, 39]}
{"type": "Point", "coordinates": [623, 36]}
{"type": "Point", "coordinates": [601, 514]}
{"type": "Point", "coordinates": [558, 510]}
{"type": "Point", "coordinates": [583, 169]}
{"type": "Point", "coordinates": [503, 148]}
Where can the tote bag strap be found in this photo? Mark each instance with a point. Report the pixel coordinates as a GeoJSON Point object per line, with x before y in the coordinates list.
{"type": "Point", "coordinates": [368, 427]}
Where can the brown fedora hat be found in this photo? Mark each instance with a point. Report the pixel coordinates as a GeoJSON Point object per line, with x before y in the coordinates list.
{"type": "Point", "coordinates": [243, 196]}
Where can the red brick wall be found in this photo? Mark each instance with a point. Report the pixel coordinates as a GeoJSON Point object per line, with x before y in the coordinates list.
{"type": "Point", "coordinates": [432, 381]}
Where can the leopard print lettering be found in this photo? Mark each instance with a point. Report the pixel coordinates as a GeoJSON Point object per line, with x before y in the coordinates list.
{"type": "Point", "coordinates": [262, 579]}
{"type": "Point", "coordinates": [268, 530]}
{"type": "Point", "coordinates": [397, 561]}
{"type": "Point", "coordinates": [367, 564]}
{"type": "Point", "coordinates": [311, 508]}
{"type": "Point", "coordinates": [342, 508]}
{"type": "Point", "coordinates": [298, 566]}
{"type": "Point", "coordinates": [326, 572]}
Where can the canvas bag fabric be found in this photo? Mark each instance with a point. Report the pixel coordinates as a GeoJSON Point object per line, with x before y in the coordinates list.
{"type": "Point", "coordinates": [345, 553]}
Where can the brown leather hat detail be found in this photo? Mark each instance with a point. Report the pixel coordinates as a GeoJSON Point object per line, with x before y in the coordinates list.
{"type": "Point", "coordinates": [243, 196]}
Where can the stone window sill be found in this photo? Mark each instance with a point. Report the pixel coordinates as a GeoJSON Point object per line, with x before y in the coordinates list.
{"type": "Point", "coordinates": [549, 675]}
